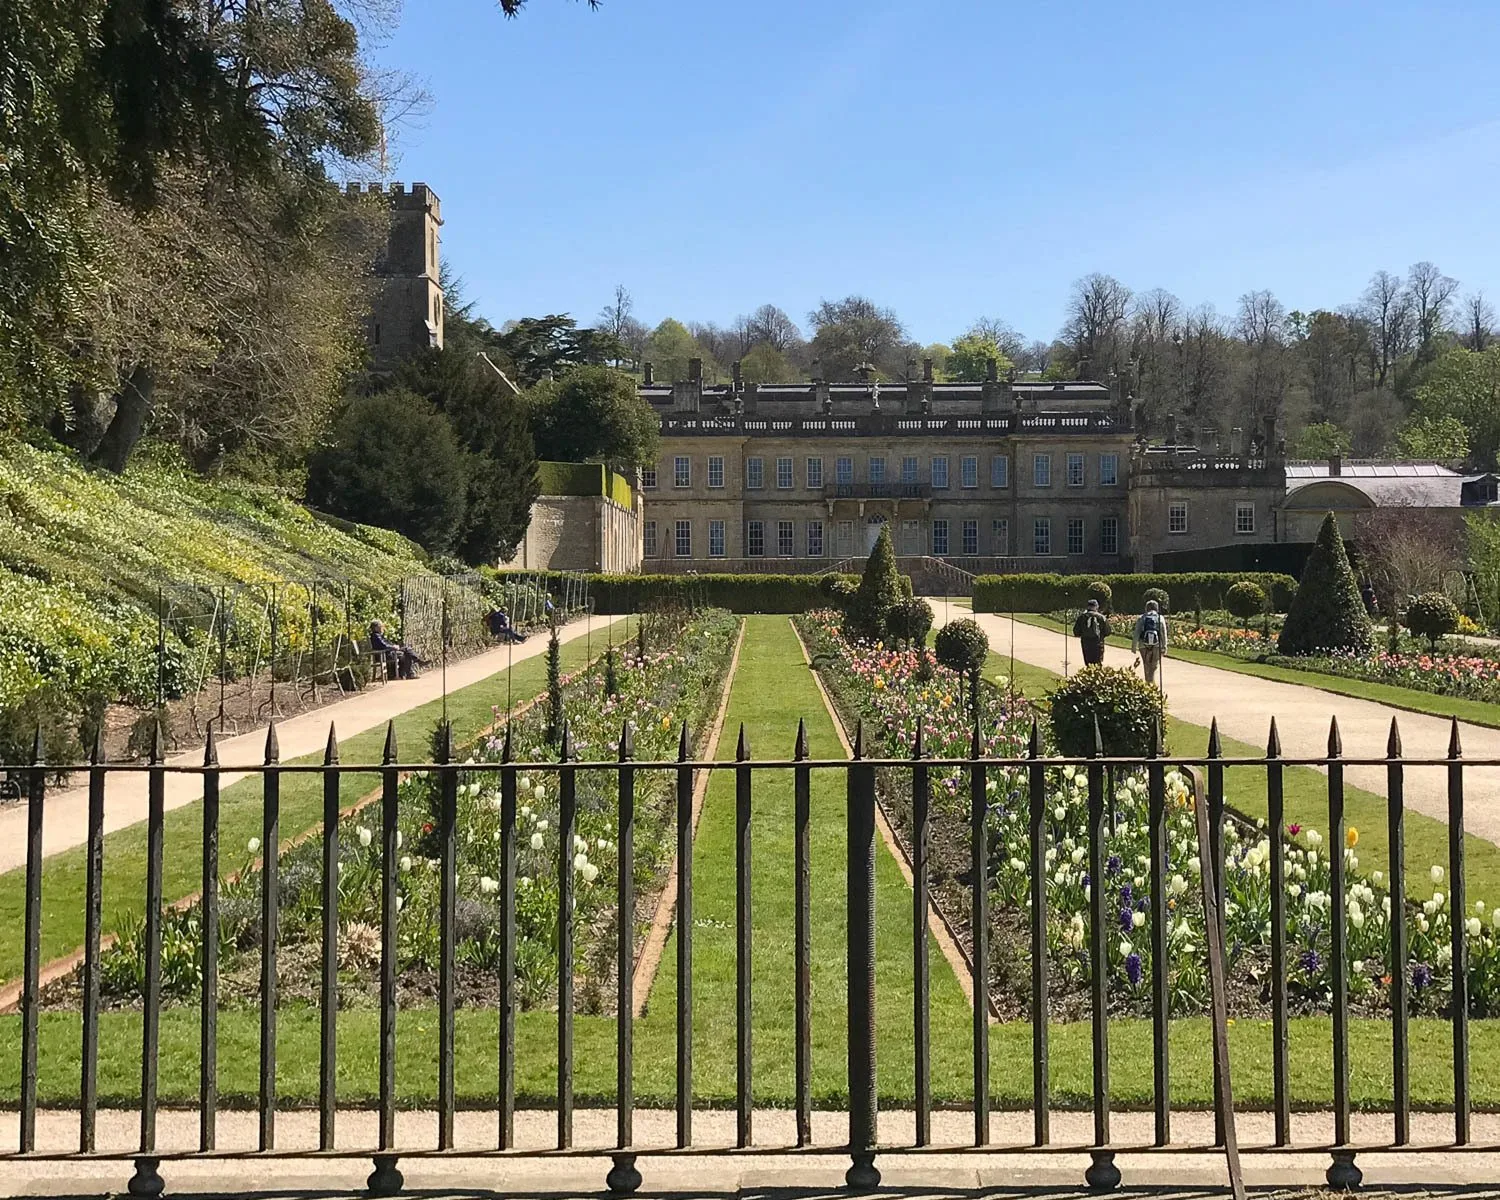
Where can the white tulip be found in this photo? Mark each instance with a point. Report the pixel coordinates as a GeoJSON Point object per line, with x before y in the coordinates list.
{"type": "Point", "coordinates": [253, 845]}
{"type": "Point", "coordinates": [1472, 926]}
{"type": "Point", "coordinates": [365, 836]}
{"type": "Point", "coordinates": [536, 841]}
{"type": "Point", "coordinates": [405, 863]}
{"type": "Point", "coordinates": [1138, 919]}
{"type": "Point", "coordinates": [590, 872]}
{"type": "Point", "coordinates": [1437, 874]}
{"type": "Point", "coordinates": [542, 825]}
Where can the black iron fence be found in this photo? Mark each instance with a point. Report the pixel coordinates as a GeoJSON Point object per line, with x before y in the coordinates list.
{"type": "Point", "coordinates": [1207, 779]}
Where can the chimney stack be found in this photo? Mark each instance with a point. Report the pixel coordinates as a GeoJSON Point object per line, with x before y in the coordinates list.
{"type": "Point", "coordinates": [648, 373]}
{"type": "Point", "coordinates": [1335, 465]}
{"type": "Point", "coordinates": [1083, 367]}
{"type": "Point", "coordinates": [991, 371]}
{"type": "Point", "coordinates": [695, 370]}
{"type": "Point", "coordinates": [739, 379]}
{"type": "Point", "coordinates": [927, 370]}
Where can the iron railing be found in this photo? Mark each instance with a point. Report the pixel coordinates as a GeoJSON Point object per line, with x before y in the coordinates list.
{"type": "Point", "coordinates": [860, 778]}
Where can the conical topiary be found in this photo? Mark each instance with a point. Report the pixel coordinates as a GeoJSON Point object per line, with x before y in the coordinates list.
{"type": "Point", "coordinates": [1327, 613]}
{"type": "Point", "coordinates": [879, 590]}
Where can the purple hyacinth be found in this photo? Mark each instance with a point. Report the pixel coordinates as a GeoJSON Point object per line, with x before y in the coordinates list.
{"type": "Point", "coordinates": [1086, 879]}
{"type": "Point", "coordinates": [1127, 919]}
{"type": "Point", "coordinates": [1133, 969]}
{"type": "Point", "coordinates": [1127, 895]}
{"type": "Point", "coordinates": [1421, 976]}
{"type": "Point", "coordinates": [1310, 962]}
{"type": "Point", "coordinates": [1112, 866]}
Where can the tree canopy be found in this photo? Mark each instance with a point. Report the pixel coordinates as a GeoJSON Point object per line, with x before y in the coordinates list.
{"type": "Point", "coordinates": [970, 357]}
{"type": "Point", "coordinates": [594, 414]}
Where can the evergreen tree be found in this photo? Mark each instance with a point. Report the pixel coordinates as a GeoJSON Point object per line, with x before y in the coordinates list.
{"type": "Point", "coordinates": [1327, 612]}
{"type": "Point", "coordinates": [879, 590]}
{"type": "Point", "coordinates": [554, 687]}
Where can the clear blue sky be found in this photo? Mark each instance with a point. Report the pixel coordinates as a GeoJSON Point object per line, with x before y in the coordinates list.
{"type": "Point", "coordinates": [951, 158]}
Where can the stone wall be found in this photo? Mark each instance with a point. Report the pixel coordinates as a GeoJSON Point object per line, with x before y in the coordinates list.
{"type": "Point", "coordinates": [580, 533]}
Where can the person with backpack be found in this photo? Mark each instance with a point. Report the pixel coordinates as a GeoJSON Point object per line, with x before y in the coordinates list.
{"type": "Point", "coordinates": [1091, 628]}
{"type": "Point", "coordinates": [1149, 640]}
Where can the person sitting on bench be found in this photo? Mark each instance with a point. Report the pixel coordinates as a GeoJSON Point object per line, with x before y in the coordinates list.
{"type": "Point", "coordinates": [501, 628]}
{"type": "Point", "coordinates": [404, 658]}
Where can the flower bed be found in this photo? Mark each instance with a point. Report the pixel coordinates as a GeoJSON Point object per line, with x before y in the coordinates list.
{"type": "Point", "coordinates": [880, 686]}
{"type": "Point", "coordinates": [681, 682]}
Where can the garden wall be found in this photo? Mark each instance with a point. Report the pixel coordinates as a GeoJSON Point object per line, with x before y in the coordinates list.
{"type": "Point", "coordinates": [616, 594]}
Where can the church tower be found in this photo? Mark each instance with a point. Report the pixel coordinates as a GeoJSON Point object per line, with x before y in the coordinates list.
{"type": "Point", "coordinates": [407, 315]}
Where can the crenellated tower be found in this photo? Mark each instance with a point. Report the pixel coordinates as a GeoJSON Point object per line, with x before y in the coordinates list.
{"type": "Point", "coordinates": [406, 316]}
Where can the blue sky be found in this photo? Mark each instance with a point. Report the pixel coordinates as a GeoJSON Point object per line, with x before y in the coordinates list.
{"type": "Point", "coordinates": [951, 158]}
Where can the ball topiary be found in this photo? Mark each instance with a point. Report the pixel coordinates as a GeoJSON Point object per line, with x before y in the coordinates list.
{"type": "Point", "coordinates": [1432, 616]}
{"type": "Point", "coordinates": [1163, 601]}
{"type": "Point", "coordinates": [1327, 612]}
{"type": "Point", "coordinates": [1244, 600]}
{"type": "Point", "coordinates": [910, 621]}
{"type": "Point", "coordinates": [1127, 708]}
{"type": "Point", "coordinates": [1098, 590]}
{"type": "Point", "coordinates": [961, 646]}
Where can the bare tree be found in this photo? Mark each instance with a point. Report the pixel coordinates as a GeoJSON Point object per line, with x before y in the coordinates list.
{"type": "Point", "coordinates": [1156, 315]}
{"type": "Point", "coordinates": [1431, 292]}
{"type": "Point", "coordinates": [1479, 321]}
{"type": "Point", "coordinates": [715, 341]}
{"type": "Point", "coordinates": [1096, 319]}
{"type": "Point", "coordinates": [1035, 356]}
{"type": "Point", "coordinates": [615, 316]}
{"type": "Point", "coordinates": [770, 325]}
{"type": "Point", "coordinates": [1000, 332]}
{"type": "Point", "coordinates": [1405, 550]}
{"type": "Point", "coordinates": [1387, 308]}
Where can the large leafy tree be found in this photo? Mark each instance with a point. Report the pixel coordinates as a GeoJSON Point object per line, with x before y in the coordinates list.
{"type": "Point", "coordinates": [392, 460]}
{"type": "Point", "coordinates": [594, 413]}
{"type": "Point", "coordinates": [970, 356]}
{"type": "Point", "coordinates": [1464, 386]}
{"type": "Point", "coordinates": [540, 347]}
{"type": "Point", "coordinates": [855, 331]}
{"type": "Point", "coordinates": [669, 348]}
{"type": "Point", "coordinates": [489, 423]}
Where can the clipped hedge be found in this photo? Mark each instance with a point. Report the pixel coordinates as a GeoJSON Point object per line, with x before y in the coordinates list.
{"type": "Point", "coordinates": [1040, 593]}
{"type": "Point", "coordinates": [616, 594]}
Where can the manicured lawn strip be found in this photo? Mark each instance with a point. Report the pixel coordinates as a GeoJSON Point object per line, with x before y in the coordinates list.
{"type": "Point", "coordinates": [1477, 712]}
{"type": "Point", "coordinates": [1131, 1060]}
{"type": "Point", "coordinates": [1306, 799]}
{"type": "Point", "coordinates": [772, 689]}
{"type": "Point", "coordinates": [64, 875]}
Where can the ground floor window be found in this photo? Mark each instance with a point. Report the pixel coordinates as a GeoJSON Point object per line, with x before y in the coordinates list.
{"type": "Point", "coordinates": [1177, 516]}
{"type": "Point", "coordinates": [755, 539]}
{"type": "Point", "coordinates": [1244, 517]}
{"type": "Point", "coordinates": [716, 539]}
{"type": "Point", "coordinates": [684, 539]}
{"type": "Point", "coordinates": [971, 537]}
{"type": "Point", "coordinates": [1041, 536]}
{"type": "Point", "coordinates": [911, 537]}
{"type": "Point", "coordinates": [940, 537]}
{"type": "Point", "coordinates": [815, 539]}
{"type": "Point", "coordinates": [1000, 537]}
{"type": "Point", "coordinates": [1075, 535]}
{"type": "Point", "coordinates": [648, 539]}
{"type": "Point", "coordinates": [845, 536]}
{"type": "Point", "coordinates": [784, 543]}
{"type": "Point", "coordinates": [1109, 535]}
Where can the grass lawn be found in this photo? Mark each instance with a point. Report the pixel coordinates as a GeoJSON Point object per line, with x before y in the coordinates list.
{"type": "Point", "coordinates": [1131, 1059]}
{"type": "Point", "coordinates": [1305, 792]}
{"type": "Point", "coordinates": [124, 901]}
{"type": "Point", "coordinates": [1476, 712]}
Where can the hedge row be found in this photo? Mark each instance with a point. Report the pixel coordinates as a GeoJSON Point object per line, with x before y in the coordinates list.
{"type": "Point", "coordinates": [1041, 593]}
{"type": "Point", "coordinates": [614, 594]}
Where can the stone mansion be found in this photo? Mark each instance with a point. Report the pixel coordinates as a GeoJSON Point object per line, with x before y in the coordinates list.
{"type": "Point", "coordinates": [991, 476]}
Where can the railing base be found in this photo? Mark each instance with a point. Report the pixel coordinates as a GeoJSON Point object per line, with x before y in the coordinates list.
{"type": "Point", "coordinates": [385, 1179]}
{"type": "Point", "coordinates": [863, 1175]}
{"type": "Point", "coordinates": [1343, 1175]}
{"type": "Point", "coordinates": [623, 1178]}
{"type": "Point", "coordinates": [147, 1180]}
{"type": "Point", "coordinates": [1102, 1175]}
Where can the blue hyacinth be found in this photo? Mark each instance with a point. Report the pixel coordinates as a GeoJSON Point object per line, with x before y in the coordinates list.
{"type": "Point", "coordinates": [1133, 969]}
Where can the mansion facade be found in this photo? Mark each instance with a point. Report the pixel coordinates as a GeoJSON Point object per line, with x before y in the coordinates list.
{"type": "Point", "coordinates": [992, 476]}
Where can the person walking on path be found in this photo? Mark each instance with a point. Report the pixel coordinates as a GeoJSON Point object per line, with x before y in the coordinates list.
{"type": "Point", "coordinates": [1091, 628]}
{"type": "Point", "coordinates": [1149, 640]}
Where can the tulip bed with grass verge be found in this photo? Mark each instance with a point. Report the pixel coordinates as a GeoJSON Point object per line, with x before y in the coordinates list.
{"type": "Point", "coordinates": [680, 682]}
{"type": "Point", "coordinates": [883, 687]}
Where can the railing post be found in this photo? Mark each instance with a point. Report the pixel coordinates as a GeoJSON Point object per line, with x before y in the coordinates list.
{"type": "Point", "coordinates": [567, 823]}
{"type": "Point", "coordinates": [507, 1030]}
{"type": "Point", "coordinates": [921, 912]}
{"type": "Point", "coordinates": [684, 941]}
{"type": "Point", "coordinates": [1212, 861]}
{"type": "Point", "coordinates": [1280, 1048]}
{"type": "Point", "coordinates": [270, 916]}
{"type": "Point", "coordinates": [1342, 1172]}
{"type": "Point", "coordinates": [1040, 1034]}
{"type": "Point", "coordinates": [88, 1092]}
{"type": "Point", "coordinates": [1457, 918]}
{"type": "Point", "coordinates": [208, 1034]}
{"type": "Point", "coordinates": [1102, 1174]}
{"type": "Point", "coordinates": [742, 963]}
{"type": "Point", "coordinates": [328, 999]}
{"type": "Point", "coordinates": [802, 866]}
{"type": "Point", "coordinates": [1400, 1021]}
{"type": "Point", "coordinates": [447, 941]}
{"type": "Point", "coordinates": [30, 987]}
{"type": "Point", "coordinates": [147, 1179]}
{"type": "Point", "coordinates": [860, 879]}
{"type": "Point", "coordinates": [386, 1178]}
{"type": "Point", "coordinates": [1161, 1013]}
{"type": "Point", "coordinates": [623, 1176]}
{"type": "Point", "coordinates": [979, 859]}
